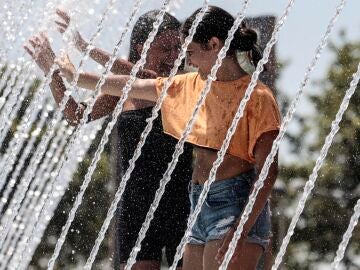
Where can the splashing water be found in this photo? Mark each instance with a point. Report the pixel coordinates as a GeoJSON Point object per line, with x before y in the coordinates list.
{"type": "Point", "coordinates": [41, 23]}
{"type": "Point", "coordinates": [20, 136]}
{"type": "Point", "coordinates": [16, 86]}
{"type": "Point", "coordinates": [50, 131]}
{"type": "Point", "coordinates": [108, 66]}
{"type": "Point", "coordinates": [23, 129]}
{"type": "Point", "coordinates": [147, 130]}
{"type": "Point", "coordinates": [9, 70]}
{"type": "Point", "coordinates": [14, 23]}
{"type": "Point", "coordinates": [31, 202]}
{"type": "Point", "coordinates": [23, 157]}
{"type": "Point", "coordinates": [23, 69]}
{"type": "Point", "coordinates": [109, 127]}
{"type": "Point", "coordinates": [26, 82]}
{"type": "Point", "coordinates": [57, 190]}
{"type": "Point", "coordinates": [21, 188]}
{"type": "Point", "coordinates": [346, 237]}
{"type": "Point", "coordinates": [39, 152]}
{"type": "Point", "coordinates": [312, 179]}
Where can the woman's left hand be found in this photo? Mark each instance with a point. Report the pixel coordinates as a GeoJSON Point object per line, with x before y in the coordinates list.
{"type": "Point", "coordinates": [67, 69]}
{"type": "Point", "coordinates": [63, 23]}
{"type": "Point", "coordinates": [40, 50]}
{"type": "Point", "coordinates": [225, 245]}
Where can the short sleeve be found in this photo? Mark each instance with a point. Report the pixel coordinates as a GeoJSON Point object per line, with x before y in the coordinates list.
{"type": "Point", "coordinates": [159, 83]}
{"type": "Point", "coordinates": [263, 116]}
{"type": "Point", "coordinates": [173, 88]}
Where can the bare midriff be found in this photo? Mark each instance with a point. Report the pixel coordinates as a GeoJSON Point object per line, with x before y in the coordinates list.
{"type": "Point", "coordinates": [230, 167]}
{"type": "Point", "coordinates": [137, 104]}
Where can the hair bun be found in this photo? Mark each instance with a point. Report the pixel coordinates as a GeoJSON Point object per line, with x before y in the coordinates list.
{"type": "Point", "coordinates": [245, 39]}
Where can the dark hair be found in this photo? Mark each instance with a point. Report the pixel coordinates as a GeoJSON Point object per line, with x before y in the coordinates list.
{"type": "Point", "coordinates": [143, 27]}
{"type": "Point", "coordinates": [217, 23]}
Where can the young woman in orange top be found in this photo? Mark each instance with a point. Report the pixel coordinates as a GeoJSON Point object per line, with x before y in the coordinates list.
{"type": "Point", "coordinates": [248, 150]}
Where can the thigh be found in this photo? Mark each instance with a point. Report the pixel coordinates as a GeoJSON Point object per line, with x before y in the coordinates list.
{"type": "Point", "coordinates": [193, 257]}
{"type": "Point", "coordinates": [249, 257]}
{"type": "Point", "coordinates": [247, 260]}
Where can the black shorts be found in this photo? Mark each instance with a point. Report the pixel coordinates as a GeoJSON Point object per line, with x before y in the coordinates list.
{"type": "Point", "coordinates": [170, 220]}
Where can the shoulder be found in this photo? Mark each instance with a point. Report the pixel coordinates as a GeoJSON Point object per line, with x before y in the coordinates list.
{"type": "Point", "coordinates": [262, 93]}
{"type": "Point", "coordinates": [187, 77]}
{"type": "Point", "coordinates": [179, 81]}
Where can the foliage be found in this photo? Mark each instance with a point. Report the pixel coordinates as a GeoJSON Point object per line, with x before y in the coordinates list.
{"type": "Point", "coordinates": [327, 213]}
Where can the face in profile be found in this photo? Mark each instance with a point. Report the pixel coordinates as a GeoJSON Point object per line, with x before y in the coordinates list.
{"type": "Point", "coordinates": [203, 56]}
{"type": "Point", "coordinates": [163, 52]}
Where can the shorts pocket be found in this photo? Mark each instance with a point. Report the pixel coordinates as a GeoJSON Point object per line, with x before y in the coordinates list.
{"type": "Point", "coordinates": [222, 199]}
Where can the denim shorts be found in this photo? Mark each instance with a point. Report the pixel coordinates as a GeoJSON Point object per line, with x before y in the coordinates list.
{"type": "Point", "coordinates": [224, 204]}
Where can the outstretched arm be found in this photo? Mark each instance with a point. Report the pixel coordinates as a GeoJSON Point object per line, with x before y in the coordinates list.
{"type": "Point", "coordinates": [120, 66]}
{"type": "Point", "coordinates": [73, 112]}
{"type": "Point", "coordinates": [43, 55]}
{"type": "Point", "coordinates": [141, 89]}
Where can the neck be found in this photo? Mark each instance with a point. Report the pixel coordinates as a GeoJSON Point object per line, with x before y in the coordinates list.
{"type": "Point", "coordinates": [230, 70]}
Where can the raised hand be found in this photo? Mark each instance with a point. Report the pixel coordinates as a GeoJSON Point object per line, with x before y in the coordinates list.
{"type": "Point", "coordinates": [67, 69]}
{"type": "Point", "coordinates": [63, 24]}
{"type": "Point", "coordinates": [40, 50]}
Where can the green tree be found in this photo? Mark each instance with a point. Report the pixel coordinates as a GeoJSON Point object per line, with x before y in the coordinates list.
{"type": "Point", "coordinates": [327, 213]}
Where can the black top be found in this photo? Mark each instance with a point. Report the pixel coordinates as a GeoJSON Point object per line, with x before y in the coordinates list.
{"type": "Point", "coordinates": [155, 154]}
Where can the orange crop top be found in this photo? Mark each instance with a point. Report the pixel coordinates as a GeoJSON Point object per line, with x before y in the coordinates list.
{"type": "Point", "coordinates": [215, 116]}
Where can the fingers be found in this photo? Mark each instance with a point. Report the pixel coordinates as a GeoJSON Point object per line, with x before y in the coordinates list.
{"type": "Point", "coordinates": [38, 41]}
{"type": "Point", "coordinates": [44, 39]}
{"type": "Point", "coordinates": [67, 69]}
{"type": "Point", "coordinates": [29, 51]}
{"type": "Point", "coordinates": [33, 42]}
{"type": "Point", "coordinates": [44, 35]}
{"type": "Point", "coordinates": [62, 26]}
{"type": "Point", "coordinates": [63, 15]}
{"type": "Point", "coordinates": [64, 23]}
{"type": "Point", "coordinates": [62, 60]}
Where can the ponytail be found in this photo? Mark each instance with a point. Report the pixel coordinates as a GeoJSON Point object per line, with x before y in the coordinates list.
{"type": "Point", "coordinates": [245, 40]}
{"type": "Point", "coordinates": [217, 23]}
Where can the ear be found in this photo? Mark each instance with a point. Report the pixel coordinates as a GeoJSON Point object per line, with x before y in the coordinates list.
{"type": "Point", "coordinates": [139, 48]}
{"type": "Point", "coordinates": [215, 44]}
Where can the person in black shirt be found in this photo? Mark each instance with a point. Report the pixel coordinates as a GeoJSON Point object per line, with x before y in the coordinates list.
{"type": "Point", "coordinates": [169, 223]}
